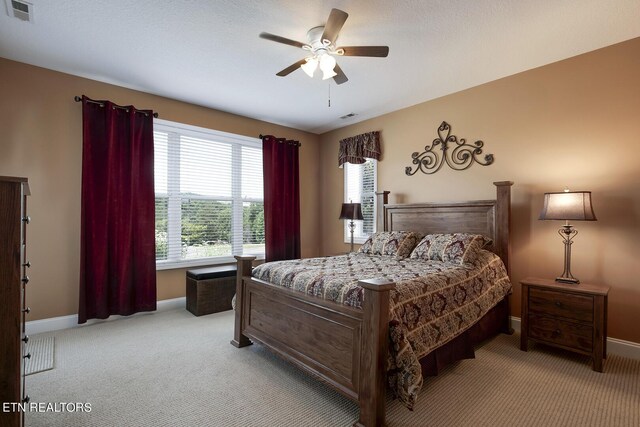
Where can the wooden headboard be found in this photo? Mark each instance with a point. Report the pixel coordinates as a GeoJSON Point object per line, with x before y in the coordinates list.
{"type": "Point", "coordinates": [491, 218]}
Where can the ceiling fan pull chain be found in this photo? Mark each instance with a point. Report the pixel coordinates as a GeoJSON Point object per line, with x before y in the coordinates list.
{"type": "Point", "coordinates": [329, 94]}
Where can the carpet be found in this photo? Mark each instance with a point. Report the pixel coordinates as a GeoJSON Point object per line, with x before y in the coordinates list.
{"type": "Point", "coordinates": [175, 369]}
{"type": "Point", "coordinates": [41, 350]}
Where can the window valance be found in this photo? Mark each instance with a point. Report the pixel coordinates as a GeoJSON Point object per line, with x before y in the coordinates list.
{"type": "Point", "coordinates": [356, 148]}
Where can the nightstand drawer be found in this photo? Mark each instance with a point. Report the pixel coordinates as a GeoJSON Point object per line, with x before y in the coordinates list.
{"type": "Point", "coordinates": [567, 334]}
{"type": "Point", "coordinates": [562, 304]}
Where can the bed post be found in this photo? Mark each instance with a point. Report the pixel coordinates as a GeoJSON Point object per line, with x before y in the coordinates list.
{"type": "Point", "coordinates": [503, 221]}
{"type": "Point", "coordinates": [374, 352]}
{"type": "Point", "coordinates": [244, 269]}
{"type": "Point", "coordinates": [503, 230]}
{"type": "Point", "coordinates": [382, 199]}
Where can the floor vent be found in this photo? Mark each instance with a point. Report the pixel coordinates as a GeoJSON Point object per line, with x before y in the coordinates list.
{"type": "Point", "coordinates": [20, 9]}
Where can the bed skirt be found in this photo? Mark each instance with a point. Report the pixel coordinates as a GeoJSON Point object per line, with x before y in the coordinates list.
{"type": "Point", "coordinates": [462, 347]}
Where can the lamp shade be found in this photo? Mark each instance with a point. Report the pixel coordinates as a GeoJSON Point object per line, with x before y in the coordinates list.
{"type": "Point", "coordinates": [351, 211]}
{"type": "Point", "coordinates": [310, 66]}
{"type": "Point", "coordinates": [327, 64]}
{"type": "Point", "coordinates": [328, 74]}
{"type": "Point", "coordinates": [568, 205]}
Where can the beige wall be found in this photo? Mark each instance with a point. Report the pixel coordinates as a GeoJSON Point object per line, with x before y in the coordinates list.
{"type": "Point", "coordinates": [42, 140]}
{"type": "Point", "coordinates": [574, 123]}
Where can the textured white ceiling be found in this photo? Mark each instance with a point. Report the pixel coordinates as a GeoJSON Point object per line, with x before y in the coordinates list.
{"type": "Point", "coordinates": [208, 52]}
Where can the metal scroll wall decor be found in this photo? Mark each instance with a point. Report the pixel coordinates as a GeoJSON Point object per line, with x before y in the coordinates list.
{"type": "Point", "coordinates": [456, 153]}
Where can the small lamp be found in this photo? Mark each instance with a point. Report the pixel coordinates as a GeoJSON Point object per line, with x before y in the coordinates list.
{"type": "Point", "coordinates": [568, 205]}
{"type": "Point", "coordinates": [352, 212]}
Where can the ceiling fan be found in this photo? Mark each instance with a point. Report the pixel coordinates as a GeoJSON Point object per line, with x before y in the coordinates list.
{"type": "Point", "coordinates": [322, 49]}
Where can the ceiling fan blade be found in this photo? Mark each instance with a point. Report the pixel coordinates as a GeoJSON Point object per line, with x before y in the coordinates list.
{"type": "Point", "coordinates": [291, 68]}
{"type": "Point", "coordinates": [340, 77]}
{"type": "Point", "coordinates": [334, 25]}
{"type": "Point", "coordinates": [376, 51]}
{"type": "Point", "coordinates": [283, 40]}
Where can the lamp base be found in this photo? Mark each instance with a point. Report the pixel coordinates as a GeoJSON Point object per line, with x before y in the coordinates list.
{"type": "Point", "coordinates": [352, 227]}
{"type": "Point", "coordinates": [568, 233]}
{"type": "Point", "coordinates": [568, 280]}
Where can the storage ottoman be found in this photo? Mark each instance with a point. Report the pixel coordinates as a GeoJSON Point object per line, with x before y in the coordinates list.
{"type": "Point", "coordinates": [210, 290]}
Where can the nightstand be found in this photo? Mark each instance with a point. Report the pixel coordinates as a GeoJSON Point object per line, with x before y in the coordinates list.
{"type": "Point", "coordinates": [568, 316]}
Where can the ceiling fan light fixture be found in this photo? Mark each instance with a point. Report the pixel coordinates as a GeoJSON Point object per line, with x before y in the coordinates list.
{"type": "Point", "coordinates": [327, 64]}
{"type": "Point", "coordinates": [310, 66]}
{"type": "Point", "coordinates": [328, 74]}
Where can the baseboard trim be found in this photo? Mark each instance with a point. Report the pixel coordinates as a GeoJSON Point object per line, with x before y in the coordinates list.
{"type": "Point", "coordinates": [515, 323]}
{"type": "Point", "coordinates": [616, 346]}
{"type": "Point", "coordinates": [71, 321]}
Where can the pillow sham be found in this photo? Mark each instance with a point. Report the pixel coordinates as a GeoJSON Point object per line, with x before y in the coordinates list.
{"type": "Point", "coordinates": [394, 243]}
{"type": "Point", "coordinates": [455, 247]}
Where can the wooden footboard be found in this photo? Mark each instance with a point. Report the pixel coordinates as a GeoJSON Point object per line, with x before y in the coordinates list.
{"type": "Point", "coordinates": [340, 345]}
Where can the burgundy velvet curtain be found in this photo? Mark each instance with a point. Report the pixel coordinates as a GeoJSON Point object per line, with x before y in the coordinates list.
{"type": "Point", "coordinates": [281, 198]}
{"type": "Point", "coordinates": [117, 270]}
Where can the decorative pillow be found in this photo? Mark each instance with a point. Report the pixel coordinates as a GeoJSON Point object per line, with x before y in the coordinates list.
{"type": "Point", "coordinates": [394, 243]}
{"type": "Point", "coordinates": [456, 247]}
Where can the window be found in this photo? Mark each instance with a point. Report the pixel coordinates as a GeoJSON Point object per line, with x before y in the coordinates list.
{"type": "Point", "coordinates": [209, 195]}
{"type": "Point", "coordinates": [360, 187]}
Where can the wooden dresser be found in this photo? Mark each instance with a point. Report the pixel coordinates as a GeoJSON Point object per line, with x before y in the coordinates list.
{"type": "Point", "coordinates": [568, 316]}
{"type": "Point", "coordinates": [13, 284]}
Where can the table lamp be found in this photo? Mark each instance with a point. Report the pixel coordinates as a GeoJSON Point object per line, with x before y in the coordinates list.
{"type": "Point", "coordinates": [568, 206]}
{"type": "Point", "coordinates": [352, 212]}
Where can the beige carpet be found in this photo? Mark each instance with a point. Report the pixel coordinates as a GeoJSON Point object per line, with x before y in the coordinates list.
{"type": "Point", "coordinates": [41, 351]}
{"type": "Point", "coordinates": [174, 369]}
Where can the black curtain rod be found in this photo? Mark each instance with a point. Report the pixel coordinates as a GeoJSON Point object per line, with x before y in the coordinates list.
{"type": "Point", "coordinates": [282, 140]}
{"type": "Point", "coordinates": [79, 99]}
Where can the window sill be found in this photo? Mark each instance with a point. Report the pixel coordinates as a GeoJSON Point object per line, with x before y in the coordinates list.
{"type": "Point", "coordinates": [173, 265]}
{"type": "Point", "coordinates": [356, 241]}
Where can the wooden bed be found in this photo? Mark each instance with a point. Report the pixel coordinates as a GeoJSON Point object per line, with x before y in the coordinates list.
{"type": "Point", "coordinates": [347, 347]}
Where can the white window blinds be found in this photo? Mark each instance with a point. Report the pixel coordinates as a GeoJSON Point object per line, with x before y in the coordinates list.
{"type": "Point", "coordinates": [360, 187]}
{"type": "Point", "coordinates": [209, 195]}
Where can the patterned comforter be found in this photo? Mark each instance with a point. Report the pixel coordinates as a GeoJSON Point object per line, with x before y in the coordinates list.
{"type": "Point", "coordinates": [433, 301]}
